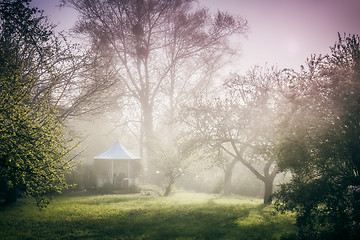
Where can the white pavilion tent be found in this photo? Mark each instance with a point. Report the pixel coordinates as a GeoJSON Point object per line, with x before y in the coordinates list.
{"type": "Point", "coordinates": [118, 153]}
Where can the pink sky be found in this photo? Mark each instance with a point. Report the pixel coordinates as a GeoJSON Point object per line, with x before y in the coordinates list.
{"type": "Point", "coordinates": [282, 32]}
{"type": "Point", "coordinates": [286, 32]}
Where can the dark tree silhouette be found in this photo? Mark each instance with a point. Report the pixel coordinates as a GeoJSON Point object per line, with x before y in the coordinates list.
{"type": "Point", "coordinates": [320, 145]}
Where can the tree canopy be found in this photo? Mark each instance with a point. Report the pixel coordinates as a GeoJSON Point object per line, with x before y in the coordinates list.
{"type": "Point", "coordinates": [240, 125]}
{"type": "Point", "coordinates": [33, 144]}
{"type": "Point", "coordinates": [161, 51]}
{"type": "Point", "coordinates": [320, 145]}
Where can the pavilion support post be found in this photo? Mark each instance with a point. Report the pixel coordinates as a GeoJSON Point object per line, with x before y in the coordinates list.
{"type": "Point", "coordinates": [112, 172]}
{"type": "Point", "coordinates": [128, 175]}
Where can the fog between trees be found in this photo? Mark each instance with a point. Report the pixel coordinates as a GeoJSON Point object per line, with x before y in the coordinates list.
{"type": "Point", "coordinates": [155, 75]}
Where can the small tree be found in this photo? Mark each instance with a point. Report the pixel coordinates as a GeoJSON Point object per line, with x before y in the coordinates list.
{"type": "Point", "coordinates": [174, 153]}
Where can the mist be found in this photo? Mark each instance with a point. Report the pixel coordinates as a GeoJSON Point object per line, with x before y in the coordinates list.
{"type": "Point", "coordinates": [135, 109]}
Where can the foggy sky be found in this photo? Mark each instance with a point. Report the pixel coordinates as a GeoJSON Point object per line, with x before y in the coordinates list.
{"type": "Point", "coordinates": [286, 32]}
{"type": "Point", "coordinates": [282, 32]}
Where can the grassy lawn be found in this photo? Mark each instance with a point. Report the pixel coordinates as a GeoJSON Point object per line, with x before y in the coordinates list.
{"type": "Point", "coordinates": [181, 216]}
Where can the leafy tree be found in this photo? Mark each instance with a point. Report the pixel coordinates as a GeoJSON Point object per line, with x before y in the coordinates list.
{"type": "Point", "coordinates": [241, 127]}
{"type": "Point", "coordinates": [159, 49]}
{"type": "Point", "coordinates": [33, 147]}
{"type": "Point", "coordinates": [320, 145]}
{"type": "Point", "coordinates": [211, 125]}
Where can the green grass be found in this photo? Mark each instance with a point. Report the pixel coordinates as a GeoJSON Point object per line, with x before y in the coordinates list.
{"type": "Point", "coordinates": [181, 216]}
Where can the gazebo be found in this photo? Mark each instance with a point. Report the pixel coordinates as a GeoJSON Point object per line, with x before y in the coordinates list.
{"type": "Point", "coordinates": [118, 153]}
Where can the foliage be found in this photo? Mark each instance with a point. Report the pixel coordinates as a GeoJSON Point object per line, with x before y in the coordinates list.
{"type": "Point", "coordinates": [32, 142]}
{"type": "Point", "coordinates": [82, 177]}
{"type": "Point", "coordinates": [180, 216]}
{"type": "Point", "coordinates": [320, 145]}
{"type": "Point", "coordinates": [240, 125]}
{"type": "Point", "coordinates": [26, 32]}
{"type": "Point", "coordinates": [174, 153]}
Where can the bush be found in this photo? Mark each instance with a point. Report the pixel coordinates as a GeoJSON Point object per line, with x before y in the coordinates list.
{"type": "Point", "coordinates": [320, 146]}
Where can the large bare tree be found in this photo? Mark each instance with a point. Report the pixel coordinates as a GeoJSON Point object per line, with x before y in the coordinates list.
{"type": "Point", "coordinates": [160, 49]}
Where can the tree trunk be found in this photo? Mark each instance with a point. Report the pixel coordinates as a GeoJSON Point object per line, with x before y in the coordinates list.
{"type": "Point", "coordinates": [227, 183]}
{"type": "Point", "coordinates": [147, 126]}
{"type": "Point", "coordinates": [269, 181]}
{"type": "Point", "coordinates": [168, 188]}
{"type": "Point", "coordinates": [10, 196]}
{"type": "Point", "coordinates": [228, 176]}
{"type": "Point", "coordinates": [147, 120]}
{"type": "Point", "coordinates": [268, 190]}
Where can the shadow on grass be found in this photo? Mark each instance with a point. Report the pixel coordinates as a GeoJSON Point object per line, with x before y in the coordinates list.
{"type": "Point", "coordinates": [142, 218]}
